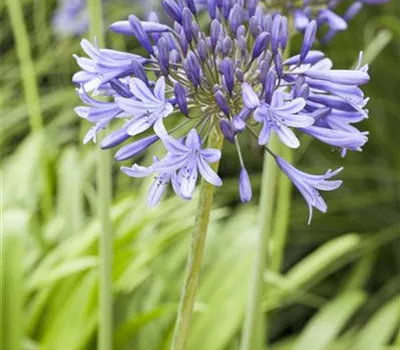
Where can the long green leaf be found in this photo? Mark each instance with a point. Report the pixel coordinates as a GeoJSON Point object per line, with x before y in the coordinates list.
{"type": "Point", "coordinates": [329, 321]}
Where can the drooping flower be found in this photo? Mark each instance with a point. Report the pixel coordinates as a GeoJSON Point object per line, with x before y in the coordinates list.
{"type": "Point", "coordinates": [226, 74]}
{"type": "Point", "coordinates": [310, 185]}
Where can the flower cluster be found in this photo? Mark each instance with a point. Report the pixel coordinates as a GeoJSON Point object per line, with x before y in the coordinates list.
{"type": "Point", "coordinates": [228, 75]}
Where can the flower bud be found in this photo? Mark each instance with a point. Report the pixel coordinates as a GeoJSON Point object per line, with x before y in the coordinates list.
{"type": "Point", "coordinates": [135, 148]}
{"type": "Point", "coordinates": [309, 38]}
{"type": "Point", "coordinates": [245, 191]}
{"type": "Point", "coordinates": [180, 96]}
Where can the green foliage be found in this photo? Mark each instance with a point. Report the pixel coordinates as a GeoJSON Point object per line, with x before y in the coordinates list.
{"type": "Point", "coordinates": [338, 287]}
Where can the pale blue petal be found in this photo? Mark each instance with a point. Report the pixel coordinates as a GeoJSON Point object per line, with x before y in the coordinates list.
{"type": "Point", "coordinates": [157, 189]}
{"type": "Point", "coordinates": [159, 89]}
{"type": "Point", "coordinates": [170, 163]}
{"type": "Point", "coordinates": [207, 173]}
{"type": "Point", "coordinates": [277, 99]}
{"type": "Point", "coordinates": [188, 177]}
{"type": "Point", "coordinates": [291, 107]}
{"type": "Point", "coordinates": [193, 140]}
{"type": "Point", "coordinates": [287, 136]}
{"type": "Point", "coordinates": [211, 155]}
{"type": "Point", "coordinates": [138, 125]}
{"type": "Point", "coordinates": [137, 171]}
{"type": "Point", "coordinates": [174, 146]}
{"type": "Point", "coordinates": [261, 113]}
{"type": "Point", "coordinates": [265, 133]}
{"type": "Point", "coordinates": [295, 120]}
{"type": "Point", "coordinates": [140, 90]}
{"type": "Point", "coordinates": [250, 98]}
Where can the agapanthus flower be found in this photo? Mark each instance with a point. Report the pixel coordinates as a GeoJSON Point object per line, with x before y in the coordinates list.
{"type": "Point", "coordinates": [308, 185]}
{"type": "Point", "coordinates": [71, 17]}
{"type": "Point", "coordinates": [325, 13]}
{"type": "Point", "coordinates": [226, 75]}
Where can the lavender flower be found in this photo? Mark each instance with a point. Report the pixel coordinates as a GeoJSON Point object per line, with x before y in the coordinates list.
{"type": "Point", "coordinates": [103, 66]}
{"type": "Point", "coordinates": [279, 116]}
{"type": "Point", "coordinates": [185, 160]}
{"type": "Point", "coordinates": [71, 17]}
{"type": "Point", "coordinates": [324, 12]}
{"type": "Point", "coordinates": [232, 78]}
{"type": "Point", "coordinates": [148, 107]}
{"type": "Point", "coordinates": [97, 112]}
{"type": "Point", "coordinates": [308, 185]}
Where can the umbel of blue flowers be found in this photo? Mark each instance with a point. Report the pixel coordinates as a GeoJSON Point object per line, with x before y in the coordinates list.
{"type": "Point", "coordinates": [230, 75]}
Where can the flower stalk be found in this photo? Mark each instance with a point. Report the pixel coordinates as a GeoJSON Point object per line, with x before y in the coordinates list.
{"type": "Point", "coordinates": [254, 325]}
{"type": "Point", "coordinates": [31, 93]}
{"type": "Point", "coordinates": [104, 199]}
{"type": "Point", "coordinates": [281, 223]}
{"type": "Point", "coordinates": [196, 251]}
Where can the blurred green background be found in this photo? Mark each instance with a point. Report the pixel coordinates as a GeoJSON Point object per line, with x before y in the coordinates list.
{"type": "Point", "coordinates": [339, 284]}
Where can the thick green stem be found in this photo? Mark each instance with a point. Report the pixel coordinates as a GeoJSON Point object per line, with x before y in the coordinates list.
{"type": "Point", "coordinates": [281, 217]}
{"type": "Point", "coordinates": [104, 200]}
{"type": "Point", "coordinates": [195, 257]}
{"type": "Point", "coordinates": [253, 337]}
{"type": "Point", "coordinates": [29, 82]}
{"type": "Point", "coordinates": [256, 325]}
{"type": "Point", "coordinates": [105, 251]}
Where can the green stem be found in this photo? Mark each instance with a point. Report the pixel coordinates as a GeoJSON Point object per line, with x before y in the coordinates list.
{"type": "Point", "coordinates": [29, 81]}
{"type": "Point", "coordinates": [254, 326]}
{"type": "Point", "coordinates": [281, 217]}
{"type": "Point", "coordinates": [26, 64]}
{"type": "Point", "coordinates": [104, 200]}
{"type": "Point", "coordinates": [42, 30]}
{"type": "Point", "coordinates": [195, 256]}
{"type": "Point", "coordinates": [105, 251]}
{"type": "Point", "coordinates": [11, 291]}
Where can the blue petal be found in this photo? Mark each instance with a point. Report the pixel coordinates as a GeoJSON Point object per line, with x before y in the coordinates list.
{"type": "Point", "coordinates": [291, 107]}
{"type": "Point", "coordinates": [140, 90]}
{"type": "Point", "coordinates": [287, 136]}
{"type": "Point", "coordinates": [138, 126]}
{"type": "Point", "coordinates": [159, 89]}
{"type": "Point", "coordinates": [188, 177]}
{"type": "Point", "coordinates": [250, 98]}
{"type": "Point", "coordinates": [174, 146]}
{"type": "Point", "coordinates": [193, 141]}
{"type": "Point", "coordinates": [346, 77]}
{"type": "Point", "coordinates": [137, 171]}
{"type": "Point", "coordinates": [265, 133]}
{"type": "Point", "coordinates": [211, 155]}
{"type": "Point", "coordinates": [294, 120]}
{"type": "Point", "coordinates": [207, 173]}
{"type": "Point", "coordinates": [170, 163]}
{"type": "Point", "coordinates": [261, 114]}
